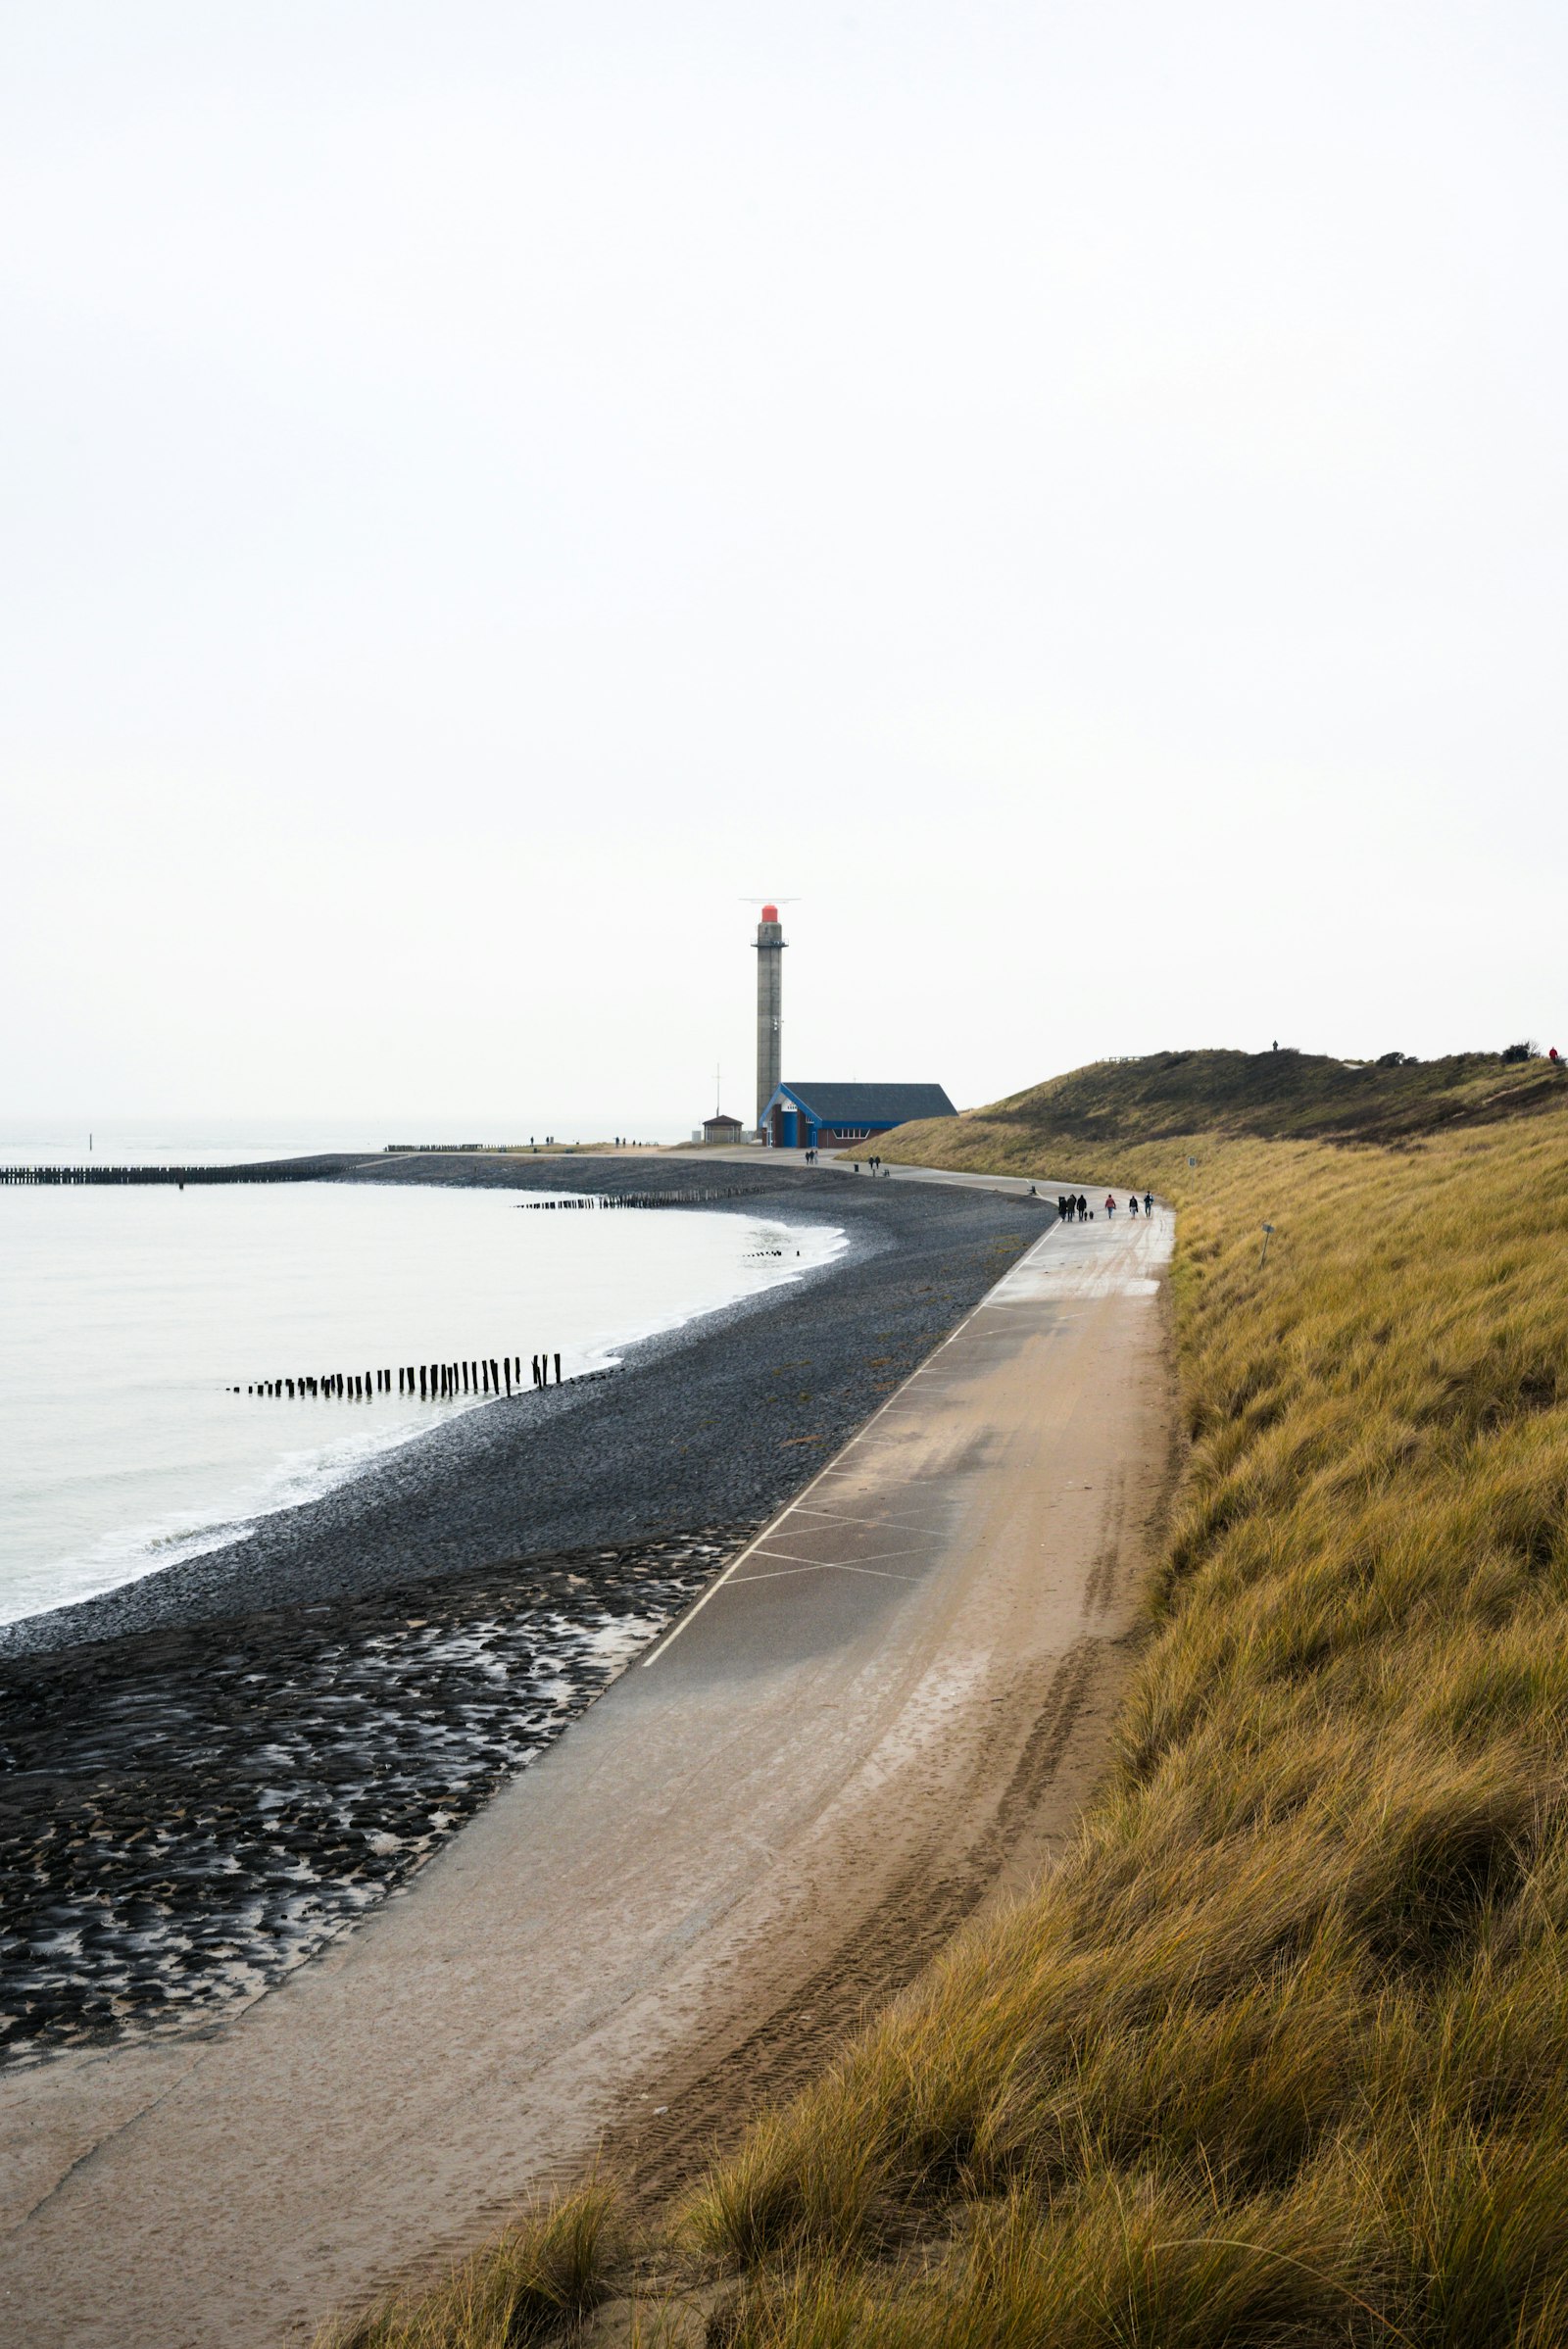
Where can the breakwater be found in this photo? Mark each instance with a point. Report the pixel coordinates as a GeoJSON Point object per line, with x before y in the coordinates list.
{"type": "Point", "coordinates": [638, 1199]}
{"type": "Point", "coordinates": [313, 1170]}
{"type": "Point", "coordinates": [300, 1170]}
{"type": "Point", "coordinates": [431, 1382]}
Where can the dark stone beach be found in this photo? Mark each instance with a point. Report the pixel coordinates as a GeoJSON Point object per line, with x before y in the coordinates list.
{"type": "Point", "coordinates": [206, 1774]}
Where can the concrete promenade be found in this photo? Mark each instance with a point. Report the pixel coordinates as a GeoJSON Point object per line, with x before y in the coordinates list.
{"type": "Point", "coordinates": [886, 1713]}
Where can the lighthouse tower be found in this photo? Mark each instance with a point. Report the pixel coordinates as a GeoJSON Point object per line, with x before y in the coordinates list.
{"type": "Point", "coordinates": [769, 1008]}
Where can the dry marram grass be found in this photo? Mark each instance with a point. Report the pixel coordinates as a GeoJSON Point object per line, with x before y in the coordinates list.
{"type": "Point", "coordinates": [545, 2271]}
{"type": "Point", "coordinates": [1280, 2053]}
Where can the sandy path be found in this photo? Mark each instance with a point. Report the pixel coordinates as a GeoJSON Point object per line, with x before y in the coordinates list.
{"type": "Point", "coordinates": [887, 1711]}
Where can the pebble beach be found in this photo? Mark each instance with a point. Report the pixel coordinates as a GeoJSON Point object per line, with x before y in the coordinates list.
{"type": "Point", "coordinates": [208, 1772]}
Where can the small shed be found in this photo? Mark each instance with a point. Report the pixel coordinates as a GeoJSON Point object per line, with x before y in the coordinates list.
{"type": "Point", "coordinates": [804, 1117]}
{"type": "Point", "coordinates": [721, 1128]}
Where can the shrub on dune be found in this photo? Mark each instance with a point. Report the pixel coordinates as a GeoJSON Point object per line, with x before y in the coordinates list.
{"type": "Point", "coordinates": [542, 2273]}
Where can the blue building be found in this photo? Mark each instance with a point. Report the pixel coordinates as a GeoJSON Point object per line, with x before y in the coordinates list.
{"type": "Point", "coordinates": [805, 1117]}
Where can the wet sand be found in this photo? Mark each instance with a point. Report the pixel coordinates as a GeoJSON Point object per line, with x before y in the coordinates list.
{"type": "Point", "coordinates": [187, 1814]}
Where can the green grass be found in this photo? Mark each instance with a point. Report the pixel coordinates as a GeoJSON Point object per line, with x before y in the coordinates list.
{"type": "Point", "coordinates": [1279, 2053]}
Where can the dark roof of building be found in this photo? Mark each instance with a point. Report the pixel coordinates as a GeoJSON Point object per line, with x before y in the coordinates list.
{"type": "Point", "coordinates": [722, 1118]}
{"type": "Point", "coordinates": [871, 1105]}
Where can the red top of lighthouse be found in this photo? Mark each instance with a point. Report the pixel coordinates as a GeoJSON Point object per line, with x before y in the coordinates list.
{"type": "Point", "coordinates": [769, 913]}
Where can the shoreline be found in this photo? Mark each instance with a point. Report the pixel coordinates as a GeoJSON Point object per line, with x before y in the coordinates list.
{"type": "Point", "coordinates": [458, 1496]}
{"type": "Point", "coordinates": [603, 1319]}
{"type": "Point", "coordinates": [208, 1773]}
{"type": "Point", "coordinates": [188, 1814]}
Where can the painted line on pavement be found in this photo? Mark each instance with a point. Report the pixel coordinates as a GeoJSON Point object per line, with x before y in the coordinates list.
{"type": "Point", "coordinates": [834, 1467]}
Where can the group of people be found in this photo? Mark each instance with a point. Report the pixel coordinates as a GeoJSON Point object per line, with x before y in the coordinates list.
{"type": "Point", "coordinates": [1078, 1211]}
{"type": "Point", "coordinates": [1071, 1209]}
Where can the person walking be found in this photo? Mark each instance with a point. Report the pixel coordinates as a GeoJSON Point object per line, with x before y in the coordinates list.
{"type": "Point", "coordinates": [1149, 1202]}
{"type": "Point", "coordinates": [1083, 1208]}
{"type": "Point", "coordinates": [1110, 1204]}
{"type": "Point", "coordinates": [1132, 1204]}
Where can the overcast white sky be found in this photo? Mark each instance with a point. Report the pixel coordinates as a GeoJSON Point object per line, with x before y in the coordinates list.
{"type": "Point", "coordinates": [1074, 493]}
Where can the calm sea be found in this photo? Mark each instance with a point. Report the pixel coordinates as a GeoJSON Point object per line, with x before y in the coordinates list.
{"type": "Point", "coordinates": [129, 1314]}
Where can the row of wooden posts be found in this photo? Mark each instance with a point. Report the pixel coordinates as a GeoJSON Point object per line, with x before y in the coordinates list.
{"type": "Point", "coordinates": [431, 1382]}
{"type": "Point", "coordinates": [308, 1170]}
{"type": "Point", "coordinates": [316, 1169]}
{"type": "Point", "coordinates": [632, 1198]}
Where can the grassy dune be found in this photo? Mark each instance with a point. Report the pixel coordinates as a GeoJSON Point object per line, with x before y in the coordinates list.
{"type": "Point", "coordinates": [1280, 2053]}
{"type": "Point", "coordinates": [1117, 1106]}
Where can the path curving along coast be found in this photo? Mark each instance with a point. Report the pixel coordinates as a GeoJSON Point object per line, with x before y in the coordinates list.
{"type": "Point", "coordinates": [884, 1713]}
{"type": "Point", "coordinates": [207, 1774]}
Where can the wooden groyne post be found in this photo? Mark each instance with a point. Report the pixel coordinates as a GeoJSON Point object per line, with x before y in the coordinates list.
{"type": "Point", "coordinates": [492, 1375]}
